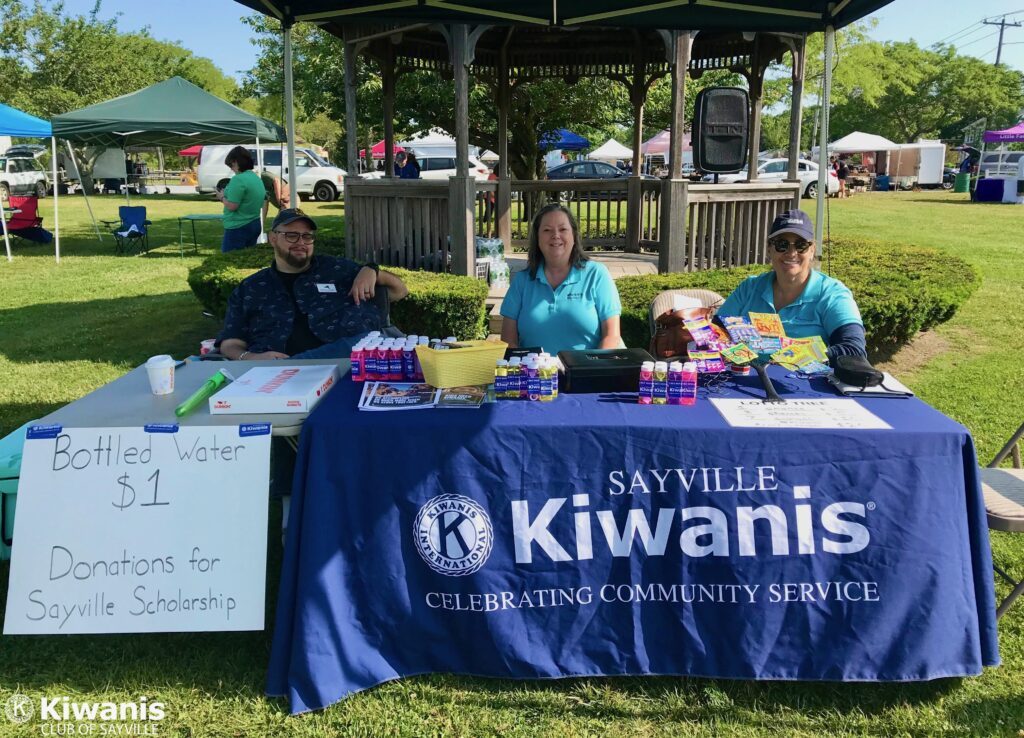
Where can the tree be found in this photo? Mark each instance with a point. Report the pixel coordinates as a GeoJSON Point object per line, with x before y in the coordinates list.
{"type": "Point", "coordinates": [933, 93]}
{"type": "Point", "coordinates": [55, 62]}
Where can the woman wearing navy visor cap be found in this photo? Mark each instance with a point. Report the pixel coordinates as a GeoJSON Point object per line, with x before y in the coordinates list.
{"type": "Point", "coordinates": [808, 302]}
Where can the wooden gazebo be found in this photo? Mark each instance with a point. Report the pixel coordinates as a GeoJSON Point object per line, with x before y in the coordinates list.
{"type": "Point", "coordinates": [430, 224]}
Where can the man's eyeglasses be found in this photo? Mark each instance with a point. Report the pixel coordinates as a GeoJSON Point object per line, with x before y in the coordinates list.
{"type": "Point", "coordinates": [782, 245]}
{"type": "Point", "coordinates": [292, 237]}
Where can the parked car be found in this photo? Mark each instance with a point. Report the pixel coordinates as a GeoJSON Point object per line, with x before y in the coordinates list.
{"type": "Point", "coordinates": [316, 178]}
{"type": "Point", "coordinates": [775, 170]}
{"type": "Point", "coordinates": [21, 173]}
{"type": "Point", "coordinates": [433, 166]}
{"type": "Point", "coordinates": [586, 169]}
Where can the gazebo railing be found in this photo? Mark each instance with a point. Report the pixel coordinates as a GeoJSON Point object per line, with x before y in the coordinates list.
{"type": "Point", "coordinates": [407, 223]}
{"type": "Point", "coordinates": [727, 224]}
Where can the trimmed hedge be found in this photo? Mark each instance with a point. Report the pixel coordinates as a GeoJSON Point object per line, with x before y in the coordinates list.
{"type": "Point", "coordinates": [900, 289]}
{"type": "Point", "coordinates": [438, 305]}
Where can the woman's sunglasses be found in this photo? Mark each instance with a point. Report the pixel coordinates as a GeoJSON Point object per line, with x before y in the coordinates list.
{"type": "Point", "coordinates": [782, 245]}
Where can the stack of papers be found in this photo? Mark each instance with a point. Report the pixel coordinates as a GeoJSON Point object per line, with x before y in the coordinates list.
{"type": "Point", "coordinates": [410, 396]}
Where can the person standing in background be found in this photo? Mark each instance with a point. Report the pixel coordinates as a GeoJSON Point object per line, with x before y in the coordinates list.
{"type": "Point", "coordinates": [243, 200]}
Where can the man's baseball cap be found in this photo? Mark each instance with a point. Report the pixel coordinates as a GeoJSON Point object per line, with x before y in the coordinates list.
{"type": "Point", "coordinates": [791, 221]}
{"type": "Point", "coordinates": [290, 215]}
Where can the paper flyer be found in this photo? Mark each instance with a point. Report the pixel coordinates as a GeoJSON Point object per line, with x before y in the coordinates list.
{"type": "Point", "coordinates": [397, 396]}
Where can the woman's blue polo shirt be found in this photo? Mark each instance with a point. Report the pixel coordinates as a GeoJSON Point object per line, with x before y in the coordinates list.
{"type": "Point", "coordinates": [825, 305]}
{"type": "Point", "coordinates": [569, 317]}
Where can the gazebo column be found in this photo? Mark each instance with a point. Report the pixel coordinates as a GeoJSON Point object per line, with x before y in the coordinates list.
{"type": "Point", "coordinates": [796, 109]}
{"type": "Point", "coordinates": [756, 84]}
{"type": "Point", "coordinates": [634, 198]}
{"type": "Point", "coordinates": [351, 138]}
{"type": "Point", "coordinates": [672, 227]}
{"type": "Point", "coordinates": [388, 89]}
{"type": "Point", "coordinates": [503, 198]}
{"type": "Point", "coordinates": [462, 187]}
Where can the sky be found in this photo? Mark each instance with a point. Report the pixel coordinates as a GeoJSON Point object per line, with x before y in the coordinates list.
{"type": "Point", "coordinates": [212, 28]}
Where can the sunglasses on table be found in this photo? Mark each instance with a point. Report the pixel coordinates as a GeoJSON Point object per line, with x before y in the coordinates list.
{"type": "Point", "coordinates": [292, 237]}
{"type": "Point", "coordinates": [782, 245]}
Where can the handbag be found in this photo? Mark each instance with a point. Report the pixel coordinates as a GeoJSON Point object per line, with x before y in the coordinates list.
{"type": "Point", "coordinates": [670, 334]}
{"type": "Point", "coordinates": [857, 371]}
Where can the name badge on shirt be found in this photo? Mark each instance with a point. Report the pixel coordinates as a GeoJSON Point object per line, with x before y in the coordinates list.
{"type": "Point", "coordinates": [325, 287]}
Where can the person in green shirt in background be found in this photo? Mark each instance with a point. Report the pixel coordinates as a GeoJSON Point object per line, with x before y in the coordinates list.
{"type": "Point", "coordinates": [243, 200]}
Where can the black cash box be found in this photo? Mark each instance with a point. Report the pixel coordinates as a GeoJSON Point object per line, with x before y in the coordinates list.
{"type": "Point", "coordinates": [602, 370]}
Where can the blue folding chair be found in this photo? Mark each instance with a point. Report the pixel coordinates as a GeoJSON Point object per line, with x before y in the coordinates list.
{"type": "Point", "coordinates": [132, 231]}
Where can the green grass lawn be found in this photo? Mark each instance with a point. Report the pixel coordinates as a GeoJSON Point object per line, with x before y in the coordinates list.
{"type": "Point", "coordinates": [66, 329]}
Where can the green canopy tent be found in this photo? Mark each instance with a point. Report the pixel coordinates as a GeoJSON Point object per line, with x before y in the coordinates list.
{"type": "Point", "coordinates": [174, 113]}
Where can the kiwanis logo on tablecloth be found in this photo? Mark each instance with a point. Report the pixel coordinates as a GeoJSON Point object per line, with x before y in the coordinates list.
{"type": "Point", "coordinates": [453, 535]}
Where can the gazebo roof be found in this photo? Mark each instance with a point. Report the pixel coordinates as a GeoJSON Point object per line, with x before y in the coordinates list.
{"type": "Point", "coordinates": [697, 15]}
{"type": "Point", "coordinates": [571, 38]}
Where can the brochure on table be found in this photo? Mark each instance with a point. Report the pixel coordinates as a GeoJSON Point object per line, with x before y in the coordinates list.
{"type": "Point", "coordinates": [134, 530]}
{"type": "Point", "coordinates": [379, 396]}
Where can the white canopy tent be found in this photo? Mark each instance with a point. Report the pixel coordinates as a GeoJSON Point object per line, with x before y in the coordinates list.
{"type": "Point", "coordinates": [856, 142]}
{"type": "Point", "coordinates": [611, 150]}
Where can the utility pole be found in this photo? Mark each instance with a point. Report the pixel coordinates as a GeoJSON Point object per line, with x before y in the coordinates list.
{"type": "Point", "coordinates": [1002, 27]}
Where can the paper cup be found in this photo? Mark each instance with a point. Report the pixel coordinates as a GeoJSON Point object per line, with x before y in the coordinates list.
{"type": "Point", "coordinates": [161, 374]}
{"type": "Point", "coordinates": [206, 346]}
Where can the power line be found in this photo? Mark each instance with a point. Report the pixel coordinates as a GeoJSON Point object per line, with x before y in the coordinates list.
{"type": "Point", "coordinates": [957, 33]}
{"type": "Point", "coordinates": [976, 26]}
{"type": "Point", "coordinates": [981, 38]}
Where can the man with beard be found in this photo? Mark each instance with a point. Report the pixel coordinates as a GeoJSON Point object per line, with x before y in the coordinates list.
{"type": "Point", "coordinates": [303, 306]}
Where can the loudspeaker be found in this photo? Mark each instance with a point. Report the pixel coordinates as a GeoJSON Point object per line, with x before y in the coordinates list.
{"type": "Point", "coordinates": [720, 121]}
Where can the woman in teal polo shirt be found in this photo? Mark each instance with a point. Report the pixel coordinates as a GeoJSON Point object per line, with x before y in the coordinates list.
{"type": "Point", "coordinates": [563, 300]}
{"type": "Point", "coordinates": [243, 202]}
{"type": "Point", "coordinates": [808, 302]}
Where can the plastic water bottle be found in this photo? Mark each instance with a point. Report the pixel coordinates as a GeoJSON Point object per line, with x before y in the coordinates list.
{"type": "Point", "coordinates": [396, 361]}
{"type": "Point", "coordinates": [370, 360]}
{"type": "Point", "coordinates": [356, 363]}
{"type": "Point", "coordinates": [515, 376]}
{"type": "Point", "coordinates": [409, 361]}
{"type": "Point", "coordinates": [689, 381]}
{"type": "Point", "coordinates": [646, 383]}
{"type": "Point", "coordinates": [545, 369]}
{"type": "Point", "coordinates": [675, 383]}
{"type": "Point", "coordinates": [501, 379]}
{"type": "Point", "coordinates": [660, 383]}
{"type": "Point", "coordinates": [381, 353]}
{"type": "Point", "coordinates": [532, 380]}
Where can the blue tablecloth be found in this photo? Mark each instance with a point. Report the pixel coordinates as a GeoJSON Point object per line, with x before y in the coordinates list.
{"type": "Point", "coordinates": [594, 536]}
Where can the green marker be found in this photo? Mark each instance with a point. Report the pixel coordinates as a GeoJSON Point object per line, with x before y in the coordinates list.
{"type": "Point", "coordinates": [210, 386]}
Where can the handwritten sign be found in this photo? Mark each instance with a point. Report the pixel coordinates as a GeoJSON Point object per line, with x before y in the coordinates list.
{"type": "Point", "coordinates": [132, 530]}
{"type": "Point", "coordinates": [818, 413]}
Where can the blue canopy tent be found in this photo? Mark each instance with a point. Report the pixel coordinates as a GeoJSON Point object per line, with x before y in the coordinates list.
{"type": "Point", "coordinates": [15, 122]}
{"type": "Point", "coordinates": [565, 140]}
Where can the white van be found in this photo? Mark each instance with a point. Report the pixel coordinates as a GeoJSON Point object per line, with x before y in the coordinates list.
{"type": "Point", "coordinates": [317, 178]}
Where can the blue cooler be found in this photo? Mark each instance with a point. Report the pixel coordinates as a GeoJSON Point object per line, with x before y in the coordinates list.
{"type": "Point", "coordinates": [882, 182]}
{"type": "Point", "coordinates": [10, 470]}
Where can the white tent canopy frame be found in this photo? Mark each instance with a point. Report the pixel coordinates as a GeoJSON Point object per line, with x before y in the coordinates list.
{"type": "Point", "coordinates": [611, 150]}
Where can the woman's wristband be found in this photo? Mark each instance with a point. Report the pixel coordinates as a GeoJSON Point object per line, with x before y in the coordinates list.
{"type": "Point", "coordinates": [242, 355]}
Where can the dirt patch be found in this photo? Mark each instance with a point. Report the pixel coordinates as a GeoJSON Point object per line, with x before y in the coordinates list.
{"type": "Point", "coordinates": [916, 354]}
